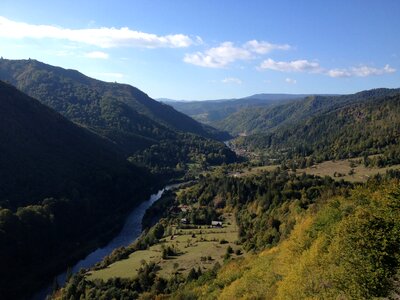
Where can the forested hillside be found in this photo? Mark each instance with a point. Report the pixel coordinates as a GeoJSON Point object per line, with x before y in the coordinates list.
{"type": "Point", "coordinates": [304, 236]}
{"type": "Point", "coordinates": [369, 124]}
{"type": "Point", "coordinates": [261, 120]}
{"type": "Point", "coordinates": [343, 245]}
{"type": "Point", "coordinates": [137, 125]}
{"type": "Point", "coordinates": [60, 187]}
{"type": "Point", "coordinates": [123, 113]}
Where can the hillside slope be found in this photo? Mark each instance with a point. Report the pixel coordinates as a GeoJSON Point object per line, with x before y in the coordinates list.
{"type": "Point", "coordinates": [370, 125]}
{"type": "Point", "coordinates": [266, 119]}
{"type": "Point", "coordinates": [61, 188]}
{"type": "Point", "coordinates": [121, 112]}
{"type": "Point", "coordinates": [340, 247]}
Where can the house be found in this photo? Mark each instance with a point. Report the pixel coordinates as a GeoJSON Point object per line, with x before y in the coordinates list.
{"type": "Point", "coordinates": [184, 208]}
{"type": "Point", "coordinates": [216, 224]}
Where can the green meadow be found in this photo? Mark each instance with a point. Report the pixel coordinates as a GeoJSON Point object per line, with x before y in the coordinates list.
{"type": "Point", "coordinates": [200, 247]}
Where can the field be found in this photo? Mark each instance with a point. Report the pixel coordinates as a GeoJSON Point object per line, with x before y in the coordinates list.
{"type": "Point", "coordinates": [339, 169]}
{"type": "Point", "coordinates": [196, 247]}
{"type": "Point", "coordinates": [343, 168]}
{"type": "Point", "coordinates": [254, 171]}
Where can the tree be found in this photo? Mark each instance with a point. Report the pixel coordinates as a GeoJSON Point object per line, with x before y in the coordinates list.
{"type": "Point", "coordinates": [158, 231]}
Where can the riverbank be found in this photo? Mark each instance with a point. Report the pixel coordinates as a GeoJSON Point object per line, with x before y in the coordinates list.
{"type": "Point", "coordinates": [103, 243]}
{"type": "Point", "coordinates": [189, 240]}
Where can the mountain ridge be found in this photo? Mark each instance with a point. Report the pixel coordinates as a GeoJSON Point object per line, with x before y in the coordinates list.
{"type": "Point", "coordinates": [102, 106]}
{"type": "Point", "coordinates": [255, 120]}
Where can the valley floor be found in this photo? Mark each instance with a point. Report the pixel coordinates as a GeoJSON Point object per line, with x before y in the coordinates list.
{"type": "Point", "coordinates": [348, 170]}
{"type": "Point", "coordinates": [200, 247]}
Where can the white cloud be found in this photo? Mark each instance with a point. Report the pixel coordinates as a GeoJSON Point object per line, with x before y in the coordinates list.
{"type": "Point", "coordinates": [361, 71]}
{"type": "Point", "coordinates": [97, 54]}
{"type": "Point", "coordinates": [291, 66]}
{"type": "Point", "coordinates": [104, 37]}
{"type": "Point", "coordinates": [264, 47]}
{"type": "Point", "coordinates": [227, 52]}
{"type": "Point", "coordinates": [290, 80]}
{"type": "Point", "coordinates": [338, 73]}
{"type": "Point", "coordinates": [303, 65]}
{"type": "Point", "coordinates": [232, 80]}
{"type": "Point", "coordinates": [218, 57]}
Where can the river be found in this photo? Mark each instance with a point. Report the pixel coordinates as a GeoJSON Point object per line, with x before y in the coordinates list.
{"type": "Point", "coordinates": [129, 233]}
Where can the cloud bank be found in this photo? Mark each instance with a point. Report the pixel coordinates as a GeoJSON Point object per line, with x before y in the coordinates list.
{"type": "Point", "coordinates": [362, 71]}
{"type": "Point", "coordinates": [314, 67]}
{"type": "Point", "coordinates": [291, 66]}
{"type": "Point", "coordinates": [104, 37]}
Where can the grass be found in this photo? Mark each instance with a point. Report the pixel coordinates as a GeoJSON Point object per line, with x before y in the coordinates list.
{"type": "Point", "coordinates": [250, 171]}
{"type": "Point", "coordinates": [328, 168]}
{"type": "Point", "coordinates": [197, 248]}
{"type": "Point", "coordinates": [361, 173]}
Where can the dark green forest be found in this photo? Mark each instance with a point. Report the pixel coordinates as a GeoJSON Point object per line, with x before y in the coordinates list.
{"type": "Point", "coordinates": [57, 181]}
{"type": "Point", "coordinates": [122, 113]}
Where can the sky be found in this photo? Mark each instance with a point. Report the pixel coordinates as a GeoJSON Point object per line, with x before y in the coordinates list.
{"type": "Point", "coordinates": [212, 49]}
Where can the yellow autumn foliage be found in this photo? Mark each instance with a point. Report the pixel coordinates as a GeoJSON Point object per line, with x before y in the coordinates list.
{"type": "Point", "coordinates": [342, 248]}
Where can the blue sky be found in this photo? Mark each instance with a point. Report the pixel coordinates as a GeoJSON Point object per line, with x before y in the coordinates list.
{"type": "Point", "coordinates": [210, 49]}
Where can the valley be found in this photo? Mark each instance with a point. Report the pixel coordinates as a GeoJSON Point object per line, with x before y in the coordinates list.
{"type": "Point", "coordinates": [314, 179]}
{"type": "Point", "coordinates": [199, 150]}
{"type": "Point", "coordinates": [234, 209]}
{"type": "Point", "coordinates": [86, 161]}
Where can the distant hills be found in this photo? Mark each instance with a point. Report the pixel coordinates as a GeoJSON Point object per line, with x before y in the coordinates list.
{"type": "Point", "coordinates": [213, 111]}
{"type": "Point", "coordinates": [364, 123]}
{"type": "Point", "coordinates": [260, 119]}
